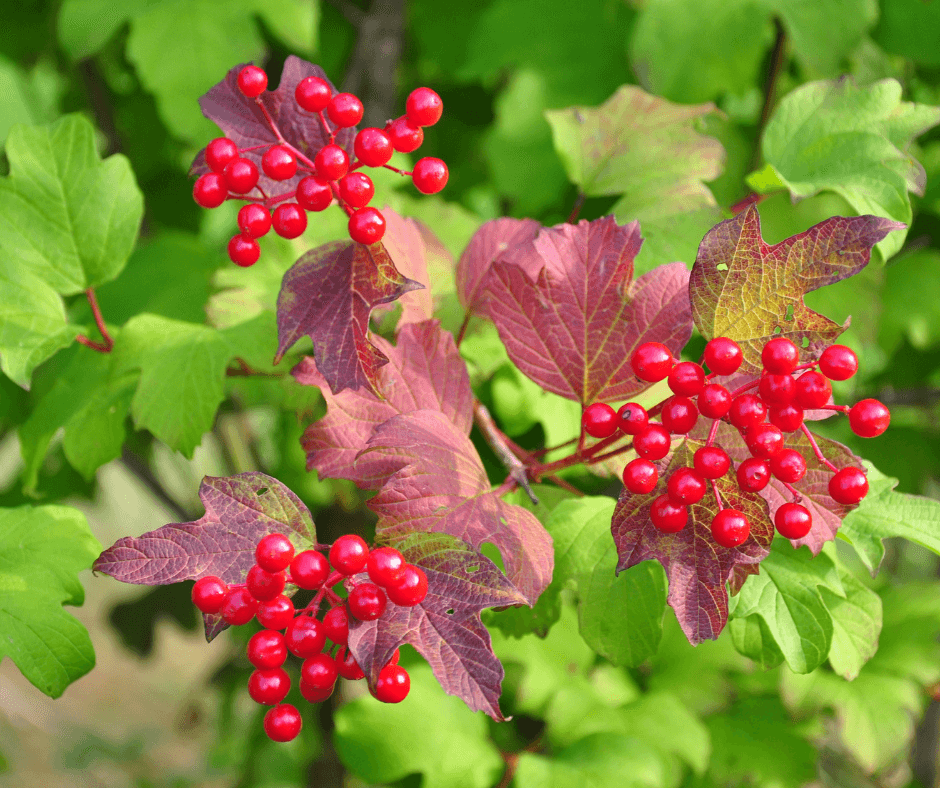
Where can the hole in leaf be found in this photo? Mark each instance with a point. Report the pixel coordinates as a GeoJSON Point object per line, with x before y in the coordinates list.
{"type": "Point", "coordinates": [261, 491]}
{"type": "Point", "coordinates": [492, 552]}
{"type": "Point", "coordinates": [722, 267]}
{"type": "Point", "coordinates": [777, 330]}
{"type": "Point", "coordinates": [474, 568]}
{"type": "Point", "coordinates": [805, 342]}
{"type": "Point", "coordinates": [449, 611]}
{"type": "Point", "coordinates": [789, 315]}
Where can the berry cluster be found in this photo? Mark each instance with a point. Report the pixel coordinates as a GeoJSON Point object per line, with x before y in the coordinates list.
{"type": "Point", "coordinates": [328, 176]}
{"type": "Point", "coordinates": [300, 632]}
{"type": "Point", "coordinates": [785, 390]}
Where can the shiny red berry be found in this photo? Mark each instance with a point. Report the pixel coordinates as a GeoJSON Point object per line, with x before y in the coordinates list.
{"type": "Point", "coordinates": [869, 418]}
{"type": "Point", "coordinates": [243, 250]}
{"type": "Point", "coordinates": [393, 684]}
{"type": "Point", "coordinates": [209, 594]}
{"type": "Point", "coordinates": [788, 465]}
{"type": "Point", "coordinates": [687, 378]}
{"type": "Point", "coordinates": [314, 193]}
{"type": "Point", "coordinates": [264, 585]}
{"type": "Point", "coordinates": [714, 401]}
{"type": "Point", "coordinates": [220, 152]}
{"type": "Point", "coordinates": [279, 163]}
{"type": "Point", "coordinates": [730, 528]}
{"type": "Point", "coordinates": [780, 356]}
{"type": "Point", "coordinates": [319, 671]}
{"type": "Point", "coordinates": [723, 356]}
{"type": "Point", "coordinates": [686, 486]}
{"type": "Point", "coordinates": [253, 220]}
{"type": "Point", "coordinates": [252, 81]}
{"type": "Point", "coordinates": [267, 649]}
{"type": "Point", "coordinates": [315, 694]}
{"type": "Point", "coordinates": [599, 420]}
{"type": "Point", "coordinates": [712, 462]}
{"type": "Point", "coordinates": [764, 440]}
{"type": "Point", "coordinates": [747, 410]}
{"type": "Point", "coordinates": [345, 110]}
{"type": "Point", "coordinates": [679, 415]}
{"type": "Point", "coordinates": [667, 516]}
{"type": "Point", "coordinates": [776, 390]}
{"type": "Point", "coordinates": [289, 220]}
{"type": "Point", "coordinates": [268, 685]}
{"type": "Point", "coordinates": [336, 625]}
{"type": "Point", "coordinates": [788, 418]}
{"type": "Point", "coordinates": [640, 476]}
{"type": "Point", "coordinates": [239, 607]}
{"type": "Point", "coordinates": [349, 554]}
{"type": "Point", "coordinates": [838, 362]}
{"type": "Point", "coordinates": [331, 162]}
{"type": "Point", "coordinates": [309, 570]}
{"type": "Point", "coordinates": [356, 189]}
{"type": "Point", "coordinates": [633, 418]}
{"type": "Point", "coordinates": [848, 486]}
{"type": "Point", "coordinates": [367, 602]}
{"type": "Point", "coordinates": [373, 147]}
{"type": "Point", "coordinates": [405, 137]}
{"type": "Point", "coordinates": [210, 190]}
{"type": "Point", "coordinates": [753, 474]}
{"type": "Point", "coordinates": [347, 667]}
{"type": "Point", "coordinates": [812, 390]}
{"type": "Point", "coordinates": [793, 521]}
{"type": "Point", "coordinates": [282, 723]}
{"type": "Point", "coordinates": [652, 361]}
{"type": "Point", "coordinates": [313, 94]}
{"type": "Point", "coordinates": [276, 613]}
{"type": "Point", "coordinates": [274, 552]}
{"type": "Point", "coordinates": [367, 226]}
{"type": "Point", "coordinates": [423, 107]}
{"type": "Point", "coordinates": [305, 637]}
{"type": "Point", "coordinates": [385, 565]}
{"type": "Point", "coordinates": [429, 175]}
{"type": "Point", "coordinates": [410, 589]}
{"type": "Point", "coordinates": [241, 175]}
{"type": "Point", "coordinates": [652, 443]}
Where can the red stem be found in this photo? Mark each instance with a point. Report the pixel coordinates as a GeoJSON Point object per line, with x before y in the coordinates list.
{"type": "Point", "coordinates": [102, 347]}
{"type": "Point", "coordinates": [816, 450]}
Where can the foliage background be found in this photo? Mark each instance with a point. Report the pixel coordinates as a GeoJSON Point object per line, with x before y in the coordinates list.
{"type": "Point", "coordinates": [163, 709]}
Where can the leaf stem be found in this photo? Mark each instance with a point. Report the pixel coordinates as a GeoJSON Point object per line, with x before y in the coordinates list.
{"type": "Point", "coordinates": [500, 444]}
{"type": "Point", "coordinates": [102, 347]}
{"type": "Point", "coordinates": [816, 450]}
{"type": "Point", "coordinates": [576, 208]}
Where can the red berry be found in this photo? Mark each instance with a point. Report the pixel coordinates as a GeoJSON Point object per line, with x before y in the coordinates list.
{"type": "Point", "coordinates": [264, 585]}
{"type": "Point", "coordinates": [267, 649]}
{"type": "Point", "coordinates": [313, 94]}
{"type": "Point", "coordinates": [274, 552]}
{"type": "Point", "coordinates": [252, 81]}
{"type": "Point", "coordinates": [356, 189]}
{"type": "Point", "coordinates": [429, 175]}
{"type": "Point", "coordinates": [393, 684]}
{"type": "Point", "coordinates": [711, 462]}
{"type": "Point", "coordinates": [730, 528]}
{"type": "Point", "coordinates": [385, 565]}
{"type": "Point", "coordinates": [314, 194]}
{"type": "Point", "coordinates": [404, 137]}
{"type": "Point", "coordinates": [776, 389]}
{"type": "Point", "coordinates": [253, 220]}
{"type": "Point", "coordinates": [347, 667]}
{"type": "Point", "coordinates": [747, 410]}
{"type": "Point", "coordinates": [764, 440]}
{"type": "Point", "coordinates": [780, 356]}
{"type": "Point", "coordinates": [373, 147]}
{"type": "Point", "coordinates": [667, 516]}
{"type": "Point", "coordinates": [714, 401]}
{"type": "Point", "coordinates": [788, 417]}
{"type": "Point", "coordinates": [268, 686]}
{"type": "Point", "coordinates": [793, 521]}
{"type": "Point", "coordinates": [838, 362]}
{"type": "Point", "coordinates": [209, 594]}
{"type": "Point", "coordinates": [753, 474]}
{"type": "Point", "coordinates": [279, 163]}
{"type": "Point", "coordinates": [687, 378]}
{"type": "Point", "coordinates": [276, 613]}
{"type": "Point", "coordinates": [220, 152]}
{"type": "Point", "coordinates": [319, 671]}
{"type": "Point", "coordinates": [633, 418]}
{"type": "Point", "coordinates": [289, 220]}
{"type": "Point", "coordinates": [679, 415]}
{"type": "Point", "coordinates": [685, 486]}
{"type": "Point", "coordinates": [336, 625]}
{"type": "Point", "coordinates": [305, 637]}
{"type": "Point", "coordinates": [848, 485]}
{"type": "Point", "coordinates": [331, 162]}
{"type": "Point", "coordinates": [349, 554]}
{"type": "Point", "coordinates": [313, 694]}
{"type": "Point", "coordinates": [367, 226]}
{"type": "Point", "coordinates": [723, 356]}
{"type": "Point", "coordinates": [410, 589]}
{"type": "Point", "coordinates": [309, 570]}
{"type": "Point", "coordinates": [367, 602]}
{"type": "Point", "coordinates": [282, 723]}
{"type": "Point", "coordinates": [651, 361]}
{"type": "Point", "coordinates": [210, 190]}
{"type": "Point", "coordinates": [653, 443]}
{"type": "Point", "coordinates": [239, 607]}
{"type": "Point", "coordinates": [788, 465]}
{"type": "Point", "coordinates": [345, 110]}
{"type": "Point", "coordinates": [243, 250]}
{"type": "Point", "coordinates": [812, 390]}
{"type": "Point", "coordinates": [640, 476]}
{"type": "Point", "coordinates": [241, 175]}
{"type": "Point", "coordinates": [869, 418]}
{"type": "Point", "coordinates": [599, 420]}
{"type": "Point", "coordinates": [395, 657]}
{"type": "Point", "coordinates": [423, 107]}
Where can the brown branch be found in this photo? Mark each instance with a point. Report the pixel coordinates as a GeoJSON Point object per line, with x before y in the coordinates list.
{"type": "Point", "coordinates": [499, 443]}
{"type": "Point", "coordinates": [141, 471]}
{"type": "Point", "coordinates": [777, 58]}
{"type": "Point", "coordinates": [243, 370]}
{"type": "Point", "coordinates": [576, 208]}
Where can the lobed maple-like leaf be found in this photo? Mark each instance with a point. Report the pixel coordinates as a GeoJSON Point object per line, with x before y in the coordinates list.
{"type": "Point", "coordinates": [432, 479]}
{"type": "Point", "coordinates": [405, 243]}
{"type": "Point", "coordinates": [570, 314]}
{"type": "Point", "coordinates": [750, 291]}
{"type": "Point", "coordinates": [697, 567]}
{"type": "Point", "coordinates": [488, 244]}
{"type": "Point", "coordinates": [242, 120]}
{"type": "Point", "coordinates": [328, 295]}
{"type": "Point", "coordinates": [445, 628]}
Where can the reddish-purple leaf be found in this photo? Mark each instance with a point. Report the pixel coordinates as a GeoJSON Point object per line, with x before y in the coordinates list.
{"type": "Point", "coordinates": [697, 567]}
{"type": "Point", "coordinates": [328, 295]}
{"type": "Point", "coordinates": [445, 628]}
{"type": "Point", "coordinates": [570, 315]}
{"type": "Point", "coordinates": [488, 244]}
{"type": "Point", "coordinates": [750, 291]}
{"type": "Point", "coordinates": [242, 120]}
{"type": "Point", "coordinates": [425, 372]}
{"type": "Point", "coordinates": [432, 479]}
{"type": "Point", "coordinates": [405, 244]}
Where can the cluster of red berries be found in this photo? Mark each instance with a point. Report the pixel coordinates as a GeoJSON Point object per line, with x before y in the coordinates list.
{"type": "Point", "coordinates": [763, 419]}
{"type": "Point", "coordinates": [328, 176]}
{"type": "Point", "coordinates": [300, 632]}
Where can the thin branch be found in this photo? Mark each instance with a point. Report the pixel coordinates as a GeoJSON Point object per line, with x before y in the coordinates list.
{"type": "Point", "coordinates": [142, 471]}
{"type": "Point", "coordinates": [102, 347]}
{"type": "Point", "coordinates": [777, 58]}
{"type": "Point", "coordinates": [499, 443]}
{"type": "Point", "coordinates": [576, 208]}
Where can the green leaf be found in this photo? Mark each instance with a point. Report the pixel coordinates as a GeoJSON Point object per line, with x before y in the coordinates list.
{"type": "Point", "coordinates": [42, 549]}
{"type": "Point", "coordinates": [294, 22]}
{"type": "Point", "coordinates": [853, 141]}
{"type": "Point", "coordinates": [883, 513]}
{"type": "Point", "coordinates": [33, 326]}
{"type": "Point", "coordinates": [182, 377]}
{"type": "Point", "coordinates": [435, 735]}
{"type": "Point", "coordinates": [181, 48]}
{"type": "Point", "coordinates": [20, 101]}
{"type": "Point", "coordinates": [786, 595]}
{"type": "Point", "coordinates": [910, 28]}
{"type": "Point", "coordinates": [856, 624]}
{"type": "Point", "coordinates": [752, 637]}
{"type": "Point", "coordinates": [65, 215]}
{"type": "Point", "coordinates": [910, 302]}
{"type": "Point", "coordinates": [620, 617]}
{"type": "Point", "coordinates": [85, 26]}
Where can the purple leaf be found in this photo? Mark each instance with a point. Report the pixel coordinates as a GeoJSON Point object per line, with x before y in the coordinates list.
{"type": "Point", "coordinates": [432, 479]}
{"type": "Point", "coordinates": [425, 372]}
{"type": "Point", "coordinates": [405, 242]}
{"type": "Point", "coordinates": [570, 315]}
{"type": "Point", "coordinates": [445, 628]}
{"type": "Point", "coordinates": [328, 295]}
{"type": "Point", "coordinates": [242, 120]}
